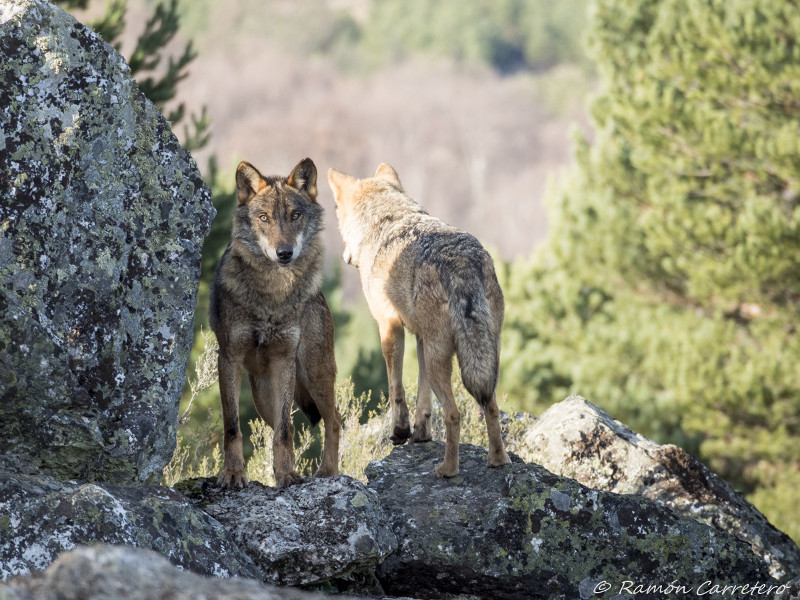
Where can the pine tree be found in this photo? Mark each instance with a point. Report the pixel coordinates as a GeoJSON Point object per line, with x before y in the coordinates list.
{"type": "Point", "coordinates": [668, 291]}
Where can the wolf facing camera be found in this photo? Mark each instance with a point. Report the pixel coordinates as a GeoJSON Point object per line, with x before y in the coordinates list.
{"type": "Point", "coordinates": [269, 315]}
{"type": "Point", "coordinates": [438, 282]}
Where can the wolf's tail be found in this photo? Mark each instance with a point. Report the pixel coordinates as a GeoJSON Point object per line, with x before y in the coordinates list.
{"type": "Point", "coordinates": [477, 344]}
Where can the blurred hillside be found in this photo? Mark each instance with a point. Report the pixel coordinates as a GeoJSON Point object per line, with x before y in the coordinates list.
{"type": "Point", "coordinates": [472, 107]}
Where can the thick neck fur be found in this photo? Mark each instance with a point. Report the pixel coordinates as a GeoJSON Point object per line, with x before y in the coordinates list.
{"type": "Point", "coordinates": [385, 215]}
{"type": "Point", "coordinates": [279, 283]}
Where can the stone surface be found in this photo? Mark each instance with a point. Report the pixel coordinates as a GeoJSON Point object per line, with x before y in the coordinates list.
{"type": "Point", "coordinates": [306, 534]}
{"type": "Point", "coordinates": [102, 217]}
{"type": "Point", "coordinates": [103, 572]}
{"type": "Point", "coordinates": [521, 531]}
{"type": "Point", "coordinates": [792, 591]}
{"type": "Point", "coordinates": [40, 517]}
{"type": "Point", "coordinates": [576, 439]}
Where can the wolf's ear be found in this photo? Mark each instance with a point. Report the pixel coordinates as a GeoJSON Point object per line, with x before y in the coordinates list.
{"type": "Point", "coordinates": [388, 174]}
{"type": "Point", "coordinates": [304, 177]}
{"type": "Point", "coordinates": [249, 182]}
{"type": "Point", "coordinates": [340, 183]}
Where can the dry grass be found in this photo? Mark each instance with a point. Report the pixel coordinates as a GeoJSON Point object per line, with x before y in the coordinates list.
{"type": "Point", "coordinates": [363, 440]}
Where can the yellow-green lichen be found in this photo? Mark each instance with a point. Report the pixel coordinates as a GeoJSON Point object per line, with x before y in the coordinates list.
{"type": "Point", "coordinates": [359, 500]}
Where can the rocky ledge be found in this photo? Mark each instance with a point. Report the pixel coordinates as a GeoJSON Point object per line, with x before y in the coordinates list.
{"type": "Point", "coordinates": [521, 531]}
{"type": "Point", "coordinates": [323, 530]}
{"type": "Point", "coordinates": [576, 439]}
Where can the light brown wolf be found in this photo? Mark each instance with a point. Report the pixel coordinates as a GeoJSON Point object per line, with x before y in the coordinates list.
{"type": "Point", "coordinates": [269, 315]}
{"type": "Point", "coordinates": [419, 273]}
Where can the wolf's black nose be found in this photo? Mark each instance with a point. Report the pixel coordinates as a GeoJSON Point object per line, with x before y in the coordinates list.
{"type": "Point", "coordinates": [284, 253]}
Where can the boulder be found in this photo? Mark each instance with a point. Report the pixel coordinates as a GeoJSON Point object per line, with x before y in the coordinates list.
{"type": "Point", "coordinates": [306, 534]}
{"type": "Point", "coordinates": [102, 572]}
{"type": "Point", "coordinates": [102, 217]}
{"type": "Point", "coordinates": [41, 517]}
{"type": "Point", "coordinates": [520, 531]}
{"type": "Point", "coordinates": [792, 591]}
{"type": "Point", "coordinates": [576, 439]}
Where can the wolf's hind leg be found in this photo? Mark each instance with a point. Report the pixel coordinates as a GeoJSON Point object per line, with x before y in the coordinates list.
{"type": "Point", "coordinates": [392, 345]}
{"type": "Point", "coordinates": [497, 454]}
{"type": "Point", "coordinates": [324, 398]}
{"type": "Point", "coordinates": [316, 380]}
{"type": "Point", "coordinates": [330, 450]}
{"type": "Point", "coordinates": [259, 385]}
{"type": "Point", "coordinates": [281, 373]}
{"type": "Point", "coordinates": [422, 418]}
{"type": "Point", "coordinates": [439, 369]}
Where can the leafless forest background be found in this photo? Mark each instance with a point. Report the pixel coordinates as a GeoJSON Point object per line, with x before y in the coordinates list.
{"type": "Point", "coordinates": [476, 147]}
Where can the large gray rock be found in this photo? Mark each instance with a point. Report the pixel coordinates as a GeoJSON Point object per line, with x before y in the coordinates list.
{"type": "Point", "coordinates": [102, 217]}
{"type": "Point", "coordinates": [792, 591]}
{"type": "Point", "coordinates": [40, 517]}
{"type": "Point", "coordinates": [305, 534]}
{"type": "Point", "coordinates": [114, 572]}
{"type": "Point", "coordinates": [576, 439]}
{"type": "Point", "coordinates": [521, 532]}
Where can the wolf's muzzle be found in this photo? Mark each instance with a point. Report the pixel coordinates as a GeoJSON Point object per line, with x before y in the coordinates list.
{"type": "Point", "coordinates": [285, 254]}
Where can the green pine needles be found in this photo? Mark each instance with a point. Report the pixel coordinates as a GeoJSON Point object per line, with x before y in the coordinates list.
{"type": "Point", "coordinates": [668, 291]}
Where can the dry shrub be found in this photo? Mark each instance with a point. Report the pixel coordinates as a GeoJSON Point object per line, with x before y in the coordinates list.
{"type": "Point", "coordinates": [364, 438]}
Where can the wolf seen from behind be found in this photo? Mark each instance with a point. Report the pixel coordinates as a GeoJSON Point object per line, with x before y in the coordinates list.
{"type": "Point", "coordinates": [438, 282]}
{"type": "Point", "coordinates": [269, 315]}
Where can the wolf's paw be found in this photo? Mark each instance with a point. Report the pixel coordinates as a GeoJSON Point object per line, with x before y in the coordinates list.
{"type": "Point", "coordinates": [233, 478]}
{"type": "Point", "coordinates": [445, 470]}
{"type": "Point", "coordinates": [400, 435]}
{"type": "Point", "coordinates": [498, 460]}
{"type": "Point", "coordinates": [420, 435]}
{"type": "Point", "coordinates": [284, 480]}
{"type": "Point", "coordinates": [326, 471]}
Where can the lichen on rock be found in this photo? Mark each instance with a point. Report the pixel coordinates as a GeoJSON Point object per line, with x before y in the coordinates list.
{"type": "Point", "coordinates": [102, 217]}
{"type": "Point", "coordinates": [521, 531]}
{"type": "Point", "coordinates": [41, 517]}
{"type": "Point", "coordinates": [574, 438]}
{"type": "Point", "coordinates": [306, 534]}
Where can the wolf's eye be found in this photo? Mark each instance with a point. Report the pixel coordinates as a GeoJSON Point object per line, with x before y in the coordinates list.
{"type": "Point", "coordinates": [296, 215]}
{"type": "Point", "coordinates": [263, 217]}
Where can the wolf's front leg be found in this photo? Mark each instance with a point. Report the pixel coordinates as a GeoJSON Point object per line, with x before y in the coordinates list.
{"type": "Point", "coordinates": [282, 381]}
{"type": "Point", "coordinates": [230, 381]}
{"type": "Point", "coordinates": [392, 344]}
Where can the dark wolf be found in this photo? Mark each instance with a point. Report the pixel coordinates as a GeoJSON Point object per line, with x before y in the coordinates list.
{"type": "Point", "coordinates": [438, 282]}
{"type": "Point", "coordinates": [269, 315]}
